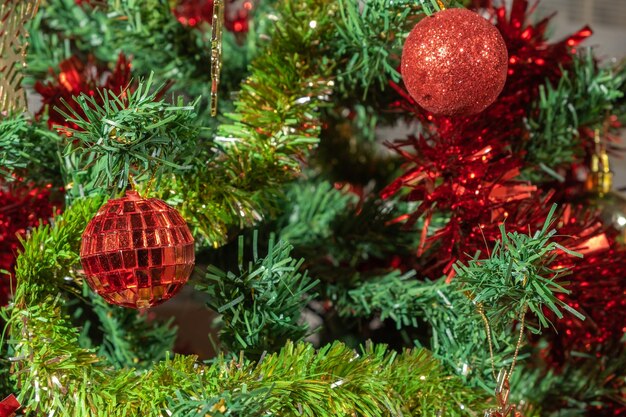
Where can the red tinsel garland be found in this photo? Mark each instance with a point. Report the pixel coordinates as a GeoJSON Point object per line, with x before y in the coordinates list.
{"type": "Point", "coordinates": [596, 285]}
{"type": "Point", "coordinates": [21, 208]}
{"type": "Point", "coordinates": [76, 77]}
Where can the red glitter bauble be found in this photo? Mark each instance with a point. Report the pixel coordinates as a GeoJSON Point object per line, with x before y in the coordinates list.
{"type": "Point", "coordinates": [454, 63]}
{"type": "Point", "coordinates": [137, 252]}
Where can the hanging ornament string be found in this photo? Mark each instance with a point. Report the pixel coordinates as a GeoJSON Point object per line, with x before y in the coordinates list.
{"type": "Point", "coordinates": [481, 312]}
{"type": "Point", "coordinates": [216, 52]}
{"type": "Point", "coordinates": [150, 182]}
{"type": "Point", "coordinates": [132, 184]}
{"type": "Point", "coordinates": [502, 379]}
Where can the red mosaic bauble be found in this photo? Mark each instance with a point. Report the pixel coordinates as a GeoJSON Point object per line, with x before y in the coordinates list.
{"type": "Point", "coordinates": [454, 63]}
{"type": "Point", "coordinates": [137, 252]}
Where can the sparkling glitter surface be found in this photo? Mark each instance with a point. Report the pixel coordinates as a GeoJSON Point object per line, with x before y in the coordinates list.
{"type": "Point", "coordinates": [454, 63]}
{"type": "Point", "coordinates": [137, 252]}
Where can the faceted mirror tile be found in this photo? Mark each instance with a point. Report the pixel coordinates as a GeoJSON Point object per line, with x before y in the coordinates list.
{"type": "Point", "coordinates": [137, 252]}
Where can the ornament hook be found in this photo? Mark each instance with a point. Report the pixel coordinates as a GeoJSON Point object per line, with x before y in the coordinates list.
{"type": "Point", "coordinates": [503, 390]}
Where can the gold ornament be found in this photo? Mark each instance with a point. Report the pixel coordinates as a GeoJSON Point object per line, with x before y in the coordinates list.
{"type": "Point", "coordinates": [600, 179]}
{"type": "Point", "coordinates": [14, 15]}
{"type": "Point", "coordinates": [599, 184]}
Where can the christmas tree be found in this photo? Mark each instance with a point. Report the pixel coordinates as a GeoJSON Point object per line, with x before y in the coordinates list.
{"type": "Point", "coordinates": [393, 208]}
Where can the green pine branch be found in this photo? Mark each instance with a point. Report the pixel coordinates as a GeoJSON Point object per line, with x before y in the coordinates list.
{"type": "Point", "coordinates": [394, 296]}
{"type": "Point", "coordinates": [123, 337]}
{"type": "Point", "coordinates": [456, 334]}
{"type": "Point", "coordinates": [28, 151]}
{"type": "Point", "coordinates": [55, 374]}
{"type": "Point", "coordinates": [584, 97]}
{"type": "Point", "coordinates": [311, 209]}
{"type": "Point", "coordinates": [519, 276]}
{"type": "Point", "coordinates": [130, 134]}
{"type": "Point", "coordinates": [261, 303]}
{"type": "Point", "coordinates": [276, 122]}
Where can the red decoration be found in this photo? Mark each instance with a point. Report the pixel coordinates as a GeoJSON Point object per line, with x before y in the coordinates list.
{"type": "Point", "coordinates": [9, 406]}
{"type": "Point", "coordinates": [237, 15]}
{"type": "Point", "coordinates": [137, 252]}
{"type": "Point", "coordinates": [21, 208]}
{"type": "Point", "coordinates": [76, 77]}
{"type": "Point", "coordinates": [454, 63]}
{"type": "Point", "coordinates": [466, 167]}
{"type": "Point", "coordinates": [597, 290]}
{"type": "Point", "coordinates": [196, 13]}
{"type": "Point", "coordinates": [596, 286]}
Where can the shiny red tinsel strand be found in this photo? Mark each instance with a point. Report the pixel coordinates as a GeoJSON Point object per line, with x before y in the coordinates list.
{"type": "Point", "coordinates": [77, 77]}
{"type": "Point", "coordinates": [596, 285]}
{"type": "Point", "coordinates": [21, 207]}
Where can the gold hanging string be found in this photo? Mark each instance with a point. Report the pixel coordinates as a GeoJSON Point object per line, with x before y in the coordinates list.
{"type": "Point", "coordinates": [502, 379]}
{"type": "Point", "coordinates": [131, 182]}
{"type": "Point", "coordinates": [216, 52]}
{"type": "Point", "coordinates": [519, 339]}
{"type": "Point", "coordinates": [481, 311]}
{"type": "Point", "coordinates": [150, 183]}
